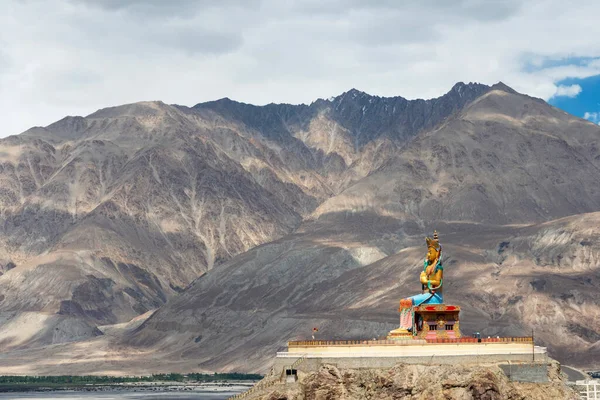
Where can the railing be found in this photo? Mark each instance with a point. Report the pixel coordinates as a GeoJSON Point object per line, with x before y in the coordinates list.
{"type": "Point", "coordinates": [525, 339]}
{"type": "Point", "coordinates": [304, 343]}
{"type": "Point", "coordinates": [300, 343]}
{"type": "Point", "coordinates": [590, 390]}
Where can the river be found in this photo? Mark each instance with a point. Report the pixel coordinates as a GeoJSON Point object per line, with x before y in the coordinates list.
{"type": "Point", "coordinates": [125, 394]}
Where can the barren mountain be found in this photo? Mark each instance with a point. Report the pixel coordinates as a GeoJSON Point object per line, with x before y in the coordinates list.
{"type": "Point", "coordinates": [504, 159]}
{"type": "Point", "coordinates": [100, 230]}
{"type": "Point", "coordinates": [108, 216]}
{"type": "Point", "coordinates": [280, 217]}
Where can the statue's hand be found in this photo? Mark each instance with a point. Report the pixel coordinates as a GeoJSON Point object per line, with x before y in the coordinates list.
{"type": "Point", "coordinates": [430, 267]}
{"type": "Point", "coordinates": [423, 278]}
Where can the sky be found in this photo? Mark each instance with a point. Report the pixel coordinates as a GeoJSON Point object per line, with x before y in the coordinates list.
{"type": "Point", "coordinates": [73, 57]}
{"type": "Point", "coordinates": [584, 100]}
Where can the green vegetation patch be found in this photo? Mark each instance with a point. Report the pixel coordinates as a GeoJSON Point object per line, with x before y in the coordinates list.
{"type": "Point", "coordinates": [8, 382]}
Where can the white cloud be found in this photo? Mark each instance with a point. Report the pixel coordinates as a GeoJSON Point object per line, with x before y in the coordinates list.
{"type": "Point", "coordinates": [82, 55]}
{"type": "Point", "coordinates": [592, 116]}
{"type": "Point", "coordinates": [567, 91]}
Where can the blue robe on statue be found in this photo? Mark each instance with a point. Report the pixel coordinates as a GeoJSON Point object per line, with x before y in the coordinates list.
{"type": "Point", "coordinates": [429, 298]}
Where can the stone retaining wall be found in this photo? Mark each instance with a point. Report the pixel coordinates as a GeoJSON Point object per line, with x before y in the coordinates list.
{"type": "Point", "coordinates": [313, 363]}
{"type": "Point", "coordinates": [537, 373]}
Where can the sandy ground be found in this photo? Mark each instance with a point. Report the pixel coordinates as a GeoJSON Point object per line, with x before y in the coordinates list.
{"type": "Point", "coordinates": [98, 356]}
{"type": "Point", "coordinates": [102, 355]}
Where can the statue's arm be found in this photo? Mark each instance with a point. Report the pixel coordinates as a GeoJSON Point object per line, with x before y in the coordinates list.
{"type": "Point", "coordinates": [436, 279]}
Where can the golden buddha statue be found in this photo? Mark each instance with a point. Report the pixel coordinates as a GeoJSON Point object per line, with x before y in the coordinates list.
{"type": "Point", "coordinates": [431, 284]}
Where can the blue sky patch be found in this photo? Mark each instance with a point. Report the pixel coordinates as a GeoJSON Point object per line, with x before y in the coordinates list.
{"type": "Point", "coordinates": [586, 104]}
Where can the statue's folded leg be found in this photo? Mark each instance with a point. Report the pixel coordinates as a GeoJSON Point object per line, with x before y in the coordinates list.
{"type": "Point", "coordinates": [427, 298]}
{"type": "Point", "coordinates": [406, 307]}
{"type": "Point", "coordinates": [405, 314]}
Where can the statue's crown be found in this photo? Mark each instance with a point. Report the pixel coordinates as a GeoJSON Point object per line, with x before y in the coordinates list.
{"type": "Point", "coordinates": [435, 243]}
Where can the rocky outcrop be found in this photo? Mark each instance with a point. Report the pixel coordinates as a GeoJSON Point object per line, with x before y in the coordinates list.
{"type": "Point", "coordinates": [413, 382]}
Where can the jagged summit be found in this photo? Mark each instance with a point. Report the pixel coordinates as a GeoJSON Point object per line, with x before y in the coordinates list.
{"type": "Point", "coordinates": [358, 95]}
{"type": "Point", "coordinates": [462, 88]}
{"type": "Point", "coordinates": [459, 87]}
{"type": "Point", "coordinates": [365, 116]}
{"type": "Point", "coordinates": [152, 107]}
{"type": "Point", "coordinates": [353, 94]}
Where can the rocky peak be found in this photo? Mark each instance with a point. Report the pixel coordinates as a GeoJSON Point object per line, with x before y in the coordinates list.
{"type": "Point", "coordinates": [503, 87]}
{"type": "Point", "coordinates": [139, 109]}
{"type": "Point", "coordinates": [352, 95]}
{"type": "Point", "coordinates": [468, 90]}
{"type": "Point", "coordinates": [273, 121]}
{"type": "Point", "coordinates": [368, 117]}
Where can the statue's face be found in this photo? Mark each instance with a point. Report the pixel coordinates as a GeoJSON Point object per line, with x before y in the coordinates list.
{"type": "Point", "coordinates": [431, 255]}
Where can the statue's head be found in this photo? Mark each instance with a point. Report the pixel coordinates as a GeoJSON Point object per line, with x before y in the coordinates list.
{"type": "Point", "coordinates": [433, 248]}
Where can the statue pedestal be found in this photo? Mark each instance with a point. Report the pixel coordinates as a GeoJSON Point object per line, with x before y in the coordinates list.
{"type": "Point", "coordinates": [431, 321]}
{"type": "Point", "coordinates": [399, 334]}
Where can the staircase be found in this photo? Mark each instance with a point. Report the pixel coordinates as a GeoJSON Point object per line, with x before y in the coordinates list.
{"type": "Point", "coordinates": [265, 383]}
{"type": "Point", "coordinates": [298, 362]}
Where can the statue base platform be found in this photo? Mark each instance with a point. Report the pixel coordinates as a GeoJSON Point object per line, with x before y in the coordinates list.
{"type": "Point", "coordinates": [310, 355]}
{"type": "Point", "coordinates": [431, 321]}
{"type": "Point", "coordinates": [400, 334]}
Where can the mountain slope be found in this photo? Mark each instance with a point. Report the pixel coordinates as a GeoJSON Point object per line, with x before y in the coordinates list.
{"type": "Point", "coordinates": [118, 229]}
{"type": "Point", "coordinates": [506, 158]}
{"type": "Point", "coordinates": [507, 279]}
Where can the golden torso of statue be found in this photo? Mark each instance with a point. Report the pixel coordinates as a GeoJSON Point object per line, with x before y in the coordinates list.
{"type": "Point", "coordinates": [433, 273]}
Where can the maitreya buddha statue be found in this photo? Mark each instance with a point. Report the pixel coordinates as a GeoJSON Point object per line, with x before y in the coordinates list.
{"type": "Point", "coordinates": [431, 285]}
